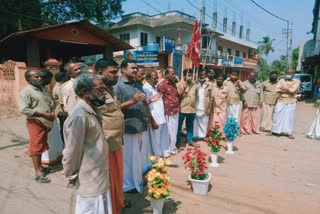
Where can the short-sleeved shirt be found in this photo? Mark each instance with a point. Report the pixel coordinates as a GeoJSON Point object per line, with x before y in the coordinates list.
{"type": "Point", "coordinates": [270, 95]}
{"type": "Point", "coordinates": [170, 97]}
{"type": "Point", "coordinates": [292, 85]}
{"type": "Point", "coordinates": [234, 91]}
{"type": "Point", "coordinates": [157, 107]}
{"type": "Point", "coordinates": [33, 99]}
{"type": "Point", "coordinates": [221, 98]}
{"type": "Point", "coordinates": [189, 98]}
{"type": "Point", "coordinates": [113, 122]}
{"type": "Point", "coordinates": [135, 116]}
{"type": "Point", "coordinates": [253, 95]}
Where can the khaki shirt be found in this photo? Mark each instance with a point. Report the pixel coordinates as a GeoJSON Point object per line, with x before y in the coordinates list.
{"type": "Point", "coordinates": [292, 85]}
{"type": "Point", "coordinates": [113, 122]}
{"type": "Point", "coordinates": [253, 95]}
{"type": "Point", "coordinates": [86, 150]}
{"type": "Point", "coordinates": [69, 97]}
{"type": "Point", "coordinates": [221, 98]}
{"type": "Point", "coordinates": [57, 97]}
{"type": "Point", "coordinates": [234, 91]}
{"type": "Point", "coordinates": [270, 95]}
{"type": "Point", "coordinates": [189, 98]}
{"type": "Point", "coordinates": [33, 99]}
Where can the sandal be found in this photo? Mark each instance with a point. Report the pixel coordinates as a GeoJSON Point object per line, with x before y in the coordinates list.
{"type": "Point", "coordinates": [290, 136]}
{"type": "Point", "coordinates": [42, 179]}
{"type": "Point", "coordinates": [269, 134]}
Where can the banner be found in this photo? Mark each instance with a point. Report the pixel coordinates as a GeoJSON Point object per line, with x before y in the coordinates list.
{"type": "Point", "coordinates": [145, 58]}
{"type": "Point", "coordinates": [237, 61]}
{"type": "Point", "coordinates": [169, 44]}
{"type": "Point", "coordinates": [249, 63]}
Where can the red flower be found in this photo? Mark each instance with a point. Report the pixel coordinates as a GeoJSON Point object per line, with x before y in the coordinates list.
{"type": "Point", "coordinates": [191, 165]}
{"type": "Point", "coordinates": [216, 122]}
{"type": "Point", "coordinates": [202, 167]}
{"type": "Point", "coordinates": [216, 139]}
{"type": "Point", "coordinates": [207, 139]}
{"type": "Point", "coordinates": [200, 172]}
{"type": "Point", "coordinates": [215, 127]}
{"type": "Point", "coordinates": [214, 143]}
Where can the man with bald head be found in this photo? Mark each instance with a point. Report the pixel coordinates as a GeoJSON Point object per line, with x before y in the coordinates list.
{"type": "Point", "coordinates": [283, 117]}
{"type": "Point", "coordinates": [159, 137]}
{"type": "Point", "coordinates": [37, 106]}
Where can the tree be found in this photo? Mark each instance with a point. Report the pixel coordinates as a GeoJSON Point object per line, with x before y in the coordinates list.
{"type": "Point", "coordinates": [295, 57]}
{"type": "Point", "coordinates": [264, 69]}
{"type": "Point", "coordinates": [280, 65]}
{"type": "Point", "coordinates": [36, 13]}
{"type": "Point", "coordinates": [265, 46]}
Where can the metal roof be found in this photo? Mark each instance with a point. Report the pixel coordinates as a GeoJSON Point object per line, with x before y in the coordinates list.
{"type": "Point", "coordinates": [110, 40]}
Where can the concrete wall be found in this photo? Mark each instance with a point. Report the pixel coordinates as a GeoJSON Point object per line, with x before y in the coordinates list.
{"type": "Point", "coordinates": [233, 46]}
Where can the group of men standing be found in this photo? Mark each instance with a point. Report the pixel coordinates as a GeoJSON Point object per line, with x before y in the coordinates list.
{"type": "Point", "coordinates": [112, 121]}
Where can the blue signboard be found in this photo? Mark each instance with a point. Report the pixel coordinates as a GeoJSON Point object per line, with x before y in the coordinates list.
{"type": "Point", "coordinates": [145, 58]}
{"type": "Point", "coordinates": [169, 44]}
{"type": "Point", "coordinates": [226, 62]}
{"type": "Point", "coordinates": [237, 60]}
{"type": "Point", "coordinates": [177, 61]}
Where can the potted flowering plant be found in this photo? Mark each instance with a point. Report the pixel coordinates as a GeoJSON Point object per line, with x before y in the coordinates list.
{"type": "Point", "coordinates": [158, 183]}
{"type": "Point", "coordinates": [213, 140]}
{"type": "Point", "coordinates": [231, 130]}
{"type": "Point", "coordinates": [196, 161]}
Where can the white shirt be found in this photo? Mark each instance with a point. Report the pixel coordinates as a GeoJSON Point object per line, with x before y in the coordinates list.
{"type": "Point", "coordinates": [69, 97]}
{"type": "Point", "coordinates": [157, 107]}
{"type": "Point", "coordinates": [200, 100]}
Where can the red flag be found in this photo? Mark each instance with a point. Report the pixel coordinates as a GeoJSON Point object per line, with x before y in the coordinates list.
{"type": "Point", "coordinates": [194, 46]}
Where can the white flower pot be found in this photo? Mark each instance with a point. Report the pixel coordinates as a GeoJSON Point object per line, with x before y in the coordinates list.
{"type": "Point", "coordinates": [214, 159]}
{"type": "Point", "coordinates": [157, 205]}
{"type": "Point", "coordinates": [200, 187]}
{"type": "Point", "coordinates": [230, 148]}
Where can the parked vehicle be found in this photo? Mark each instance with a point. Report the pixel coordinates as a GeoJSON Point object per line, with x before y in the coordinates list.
{"type": "Point", "coordinates": [300, 94]}
{"type": "Point", "coordinates": [306, 83]}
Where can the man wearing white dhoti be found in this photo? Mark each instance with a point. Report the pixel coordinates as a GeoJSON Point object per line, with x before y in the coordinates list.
{"type": "Point", "coordinates": [203, 108]}
{"type": "Point", "coordinates": [136, 122]}
{"type": "Point", "coordinates": [159, 138]}
{"type": "Point", "coordinates": [270, 97]}
{"type": "Point", "coordinates": [169, 90]}
{"type": "Point", "coordinates": [314, 131]}
{"type": "Point", "coordinates": [235, 86]}
{"type": "Point", "coordinates": [86, 151]}
{"type": "Point", "coordinates": [283, 118]}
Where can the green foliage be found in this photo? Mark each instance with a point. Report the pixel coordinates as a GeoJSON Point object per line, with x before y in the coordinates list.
{"type": "Point", "coordinates": [36, 13]}
{"type": "Point", "coordinates": [263, 69]}
{"type": "Point", "coordinates": [265, 46]}
{"type": "Point", "coordinates": [295, 57]}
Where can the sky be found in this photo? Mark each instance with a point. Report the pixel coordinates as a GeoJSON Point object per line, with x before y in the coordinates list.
{"type": "Point", "coordinates": [243, 11]}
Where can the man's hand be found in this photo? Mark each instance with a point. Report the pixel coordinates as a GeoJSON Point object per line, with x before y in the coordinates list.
{"type": "Point", "coordinates": [155, 97]}
{"type": "Point", "coordinates": [237, 84]}
{"type": "Point", "coordinates": [245, 105]}
{"type": "Point", "coordinates": [260, 104]}
{"type": "Point", "coordinates": [138, 97]}
{"type": "Point", "coordinates": [49, 116]}
{"type": "Point", "coordinates": [154, 125]}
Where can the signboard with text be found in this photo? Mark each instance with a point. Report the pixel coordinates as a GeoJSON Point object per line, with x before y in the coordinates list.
{"type": "Point", "coordinates": [145, 58]}
{"type": "Point", "coordinates": [249, 63]}
{"type": "Point", "coordinates": [237, 61]}
{"type": "Point", "coordinates": [168, 44]}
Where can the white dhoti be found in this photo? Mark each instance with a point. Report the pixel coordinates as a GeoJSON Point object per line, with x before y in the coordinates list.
{"type": "Point", "coordinates": [283, 118]}
{"type": "Point", "coordinates": [159, 139]}
{"type": "Point", "coordinates": [100, 204]}
{"type": "Point", "coordinates": [266, 116]}
{"type": "Point", "coordinates": [200, 126]}
{"type": "Point", "coordinates": [314, 131]}
{"type": "Point", "coordinates": [233, 110]}
{"type": "Point", "coordinates": [134, 160]}
{"type": "Point", "coordinates": [54, 153]}
{"type": "Point", "coordinates": [173, 122]}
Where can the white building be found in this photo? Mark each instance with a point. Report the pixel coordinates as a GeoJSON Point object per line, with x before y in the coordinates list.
{"type": "Point", "coordinates": [139, 29]}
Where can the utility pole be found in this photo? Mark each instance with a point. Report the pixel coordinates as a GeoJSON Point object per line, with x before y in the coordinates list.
{"type": "Point", "coordinates": [290, 46]}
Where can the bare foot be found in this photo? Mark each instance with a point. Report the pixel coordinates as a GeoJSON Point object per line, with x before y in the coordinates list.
{"type": "Point", "coordinates": [71, 184]}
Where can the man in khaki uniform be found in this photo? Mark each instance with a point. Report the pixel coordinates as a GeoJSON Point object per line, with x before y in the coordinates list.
{"type": "Point", "coordinates": [219, 101]}
{"type": "Point", "coordinates": [283, 117]}
{"type": "Point", "coordinates": [113, 127]}
{"type": "Point", "coordinates": [269, 100]}
{"type": "Point", "coordinates": [253, 97]}
{"type": "Point", "coordinates": [203, 109]}
{"type": "Point", "coordinates": [236, 87]}
{"type": "Point", "coordinates": [188, 94]}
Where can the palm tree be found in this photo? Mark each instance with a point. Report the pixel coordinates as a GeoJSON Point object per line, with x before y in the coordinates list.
{"type": "Point", "coordinates": [265, 46]}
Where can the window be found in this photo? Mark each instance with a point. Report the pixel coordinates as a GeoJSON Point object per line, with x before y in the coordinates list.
{"type": "Point", "coordinates": [125, 37]}
{"type": "Point", "coordinates": [244, 54]}
{"type": "Point", "coordinates": [237, 53]}
{"type": "Point", "coordinates": [220, 48]}
{"type": "Point", "coordinates": [229, 51]}
{"type": "Point", "coordinates": [205, 41]}
{"type": "Point", "coordinates": [158, 40]}
{"type": "Point", "coordinates": [143, 39]}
